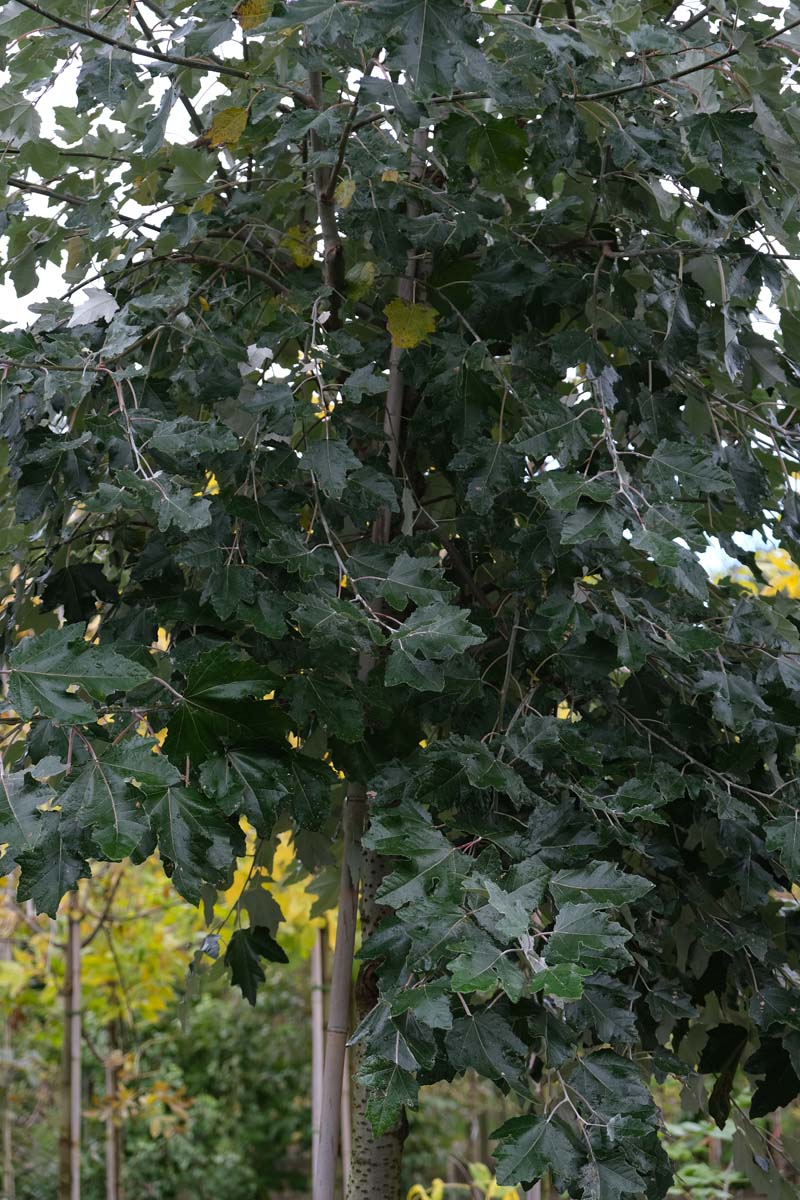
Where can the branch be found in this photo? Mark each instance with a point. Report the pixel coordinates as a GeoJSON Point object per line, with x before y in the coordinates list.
{"type": "Point", "coordinates": [207, 260]}
{"type": "Point", "coordinates": [196, 64]}
{"type": "Point", "coordinates": [333, 251]}
{"type": "Point", "coordinates": [698, 16]}
{"type": "Point", "coordinates": [25, 185]}
{"type": "Point", "coordinates": [393, 412]}
{"type": "Point", "coordinates": [666, 79]}
{"type": "Point", "coordinates": [458, 98]}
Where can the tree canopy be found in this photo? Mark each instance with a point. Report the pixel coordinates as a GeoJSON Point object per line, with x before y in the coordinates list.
{"type": "Point", "coordinates": [399, 384]}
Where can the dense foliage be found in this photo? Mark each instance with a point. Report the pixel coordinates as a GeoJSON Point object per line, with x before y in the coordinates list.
{"type": "Point", "coordinates": [422, 367]}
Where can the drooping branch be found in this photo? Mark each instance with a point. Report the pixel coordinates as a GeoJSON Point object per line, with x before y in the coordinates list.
{"type": "Point", "coordinates": [194, 64]}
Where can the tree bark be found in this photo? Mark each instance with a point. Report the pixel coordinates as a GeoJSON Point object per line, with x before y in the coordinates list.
{"type": "Point", "coordinates": [376, 1162]}
{"type": "Point", "coordinates": [324, 1176]}
{"type": "Point", "coordinates": [346, 1138]}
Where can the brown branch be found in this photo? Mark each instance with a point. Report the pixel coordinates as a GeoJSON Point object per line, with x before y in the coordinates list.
{"type": "Point", "coordinates": [103, 916]}
{"type": "Point", "coordinates": [667, 79]}
{"type": "Point", "coordinates": [698, 16]}
{"type": "Point", "coordinates": [25, 185]}
{"type": "Point", "coordinates": [195, 64]}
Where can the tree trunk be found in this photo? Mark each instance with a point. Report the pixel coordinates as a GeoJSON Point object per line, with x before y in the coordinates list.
{"type": "Point", "coordinates": [376, 1162]}
{"type": "Point", "coordinates": [324, 1176]}
{"type": "Point", "coordinates": [346, 1138]}
{"type": "Point", "coordinates": [317, 1042]}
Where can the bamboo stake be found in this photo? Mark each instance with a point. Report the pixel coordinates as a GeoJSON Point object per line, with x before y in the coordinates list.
{"type": "Point", "coordinates": [317, 1044]}
{"type": "Point", "coordinates": [74, 1027]}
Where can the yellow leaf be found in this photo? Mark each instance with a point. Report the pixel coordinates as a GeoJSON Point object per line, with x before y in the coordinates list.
{"type": "Point", "coordinates": [409, 324]}
{"type": "Point", "coordinates": [227, 127]}
{"type": "Point", "coordinates": [211, 486]}
{"type": "Point", "coordinates": [565, 713]}
{"type": "Point", "coordinates": [146, 187]}
{"type": "Point", "coordinates": [300, 242]}
{"type": "Point", "coordinates": [252, 12]}
{"type": "Point", "coordinates": [362, 277]}
{"type": "Point", "coordinates": [390, 177]}
{"type": "Point", "coordinates": [345, 190]}
{"type": "Point", "coordinates": [75, 247]}
{"type": "Point", "coordinates": [204, 204]}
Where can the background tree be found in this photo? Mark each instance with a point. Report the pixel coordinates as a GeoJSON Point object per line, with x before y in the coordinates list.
{"type": "Point", "coordinates": [423, 366]}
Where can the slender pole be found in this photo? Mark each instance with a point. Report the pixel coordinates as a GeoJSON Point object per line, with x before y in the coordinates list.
{"type": "Point", "coordinates": [64, 1184]}
{"type": "Point", "coordinates": [112, 1145]}
{"type": "Point", "coordinates": [9, 1182]}
{"type": "Point", "coordinates": [324, 1178]}
{"type": "Point", "coordinates": [317, 1043]}
{"type": "Point", "coordinates": [74, 1025]}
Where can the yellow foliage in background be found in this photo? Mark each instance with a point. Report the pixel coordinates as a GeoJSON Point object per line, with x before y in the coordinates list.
{"type": "Point", "coordinates": [780, 575]}
{"type": "Point", "coordinates": [483, 1183]}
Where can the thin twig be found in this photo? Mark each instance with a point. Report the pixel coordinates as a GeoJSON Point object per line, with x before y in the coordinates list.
{"type": "Point", "coordinates": [195, 64]}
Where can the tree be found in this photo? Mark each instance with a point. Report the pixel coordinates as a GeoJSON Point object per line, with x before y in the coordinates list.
{"type": "Point", "coordinates": [412, 364]}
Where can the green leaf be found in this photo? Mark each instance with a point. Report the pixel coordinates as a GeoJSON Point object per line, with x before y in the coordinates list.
{"type": "Point", "coordinates": [603, 883]}
{"type": "Point", "coordinates": [196, 841]}
{"type": "Point", "coordinates": [330, 462]}
{"type": "Point", "coordinates": [583, 934]}
{"type": "Point", "coordinates": [214, 710]}
{"type": "Point", "coordinates": [611, 1086]}
{"type": "Point", "coordinates": [727, 140]}
{"type": "Point", "coordinates": [511, 911]}
{"type": "Point", "coordinates": [51, 869]}
{"type": "Point", "coordinates": [783, 838]}
{"type": "Point", "coordinates": [243, 957]}
{"type": "Point", "coordinates": [105, 795]}
{"type": "Point", "coordinates": [532, 1146]}
{"type": "Point", "coordinates": [485, 1042]}
{"type": "Point", "coordinates": [390, 1089]}
{"type": "Point", "coordinates": [21, 799]}
{"type": "Point", "coordinates": [417, 580]}
{"type": "Point", "coordinates": [609, 1178]}
{"type": "Point", "coordinates": [431, 635]}
{"type": "Point", "coordinates": [47, 674]}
